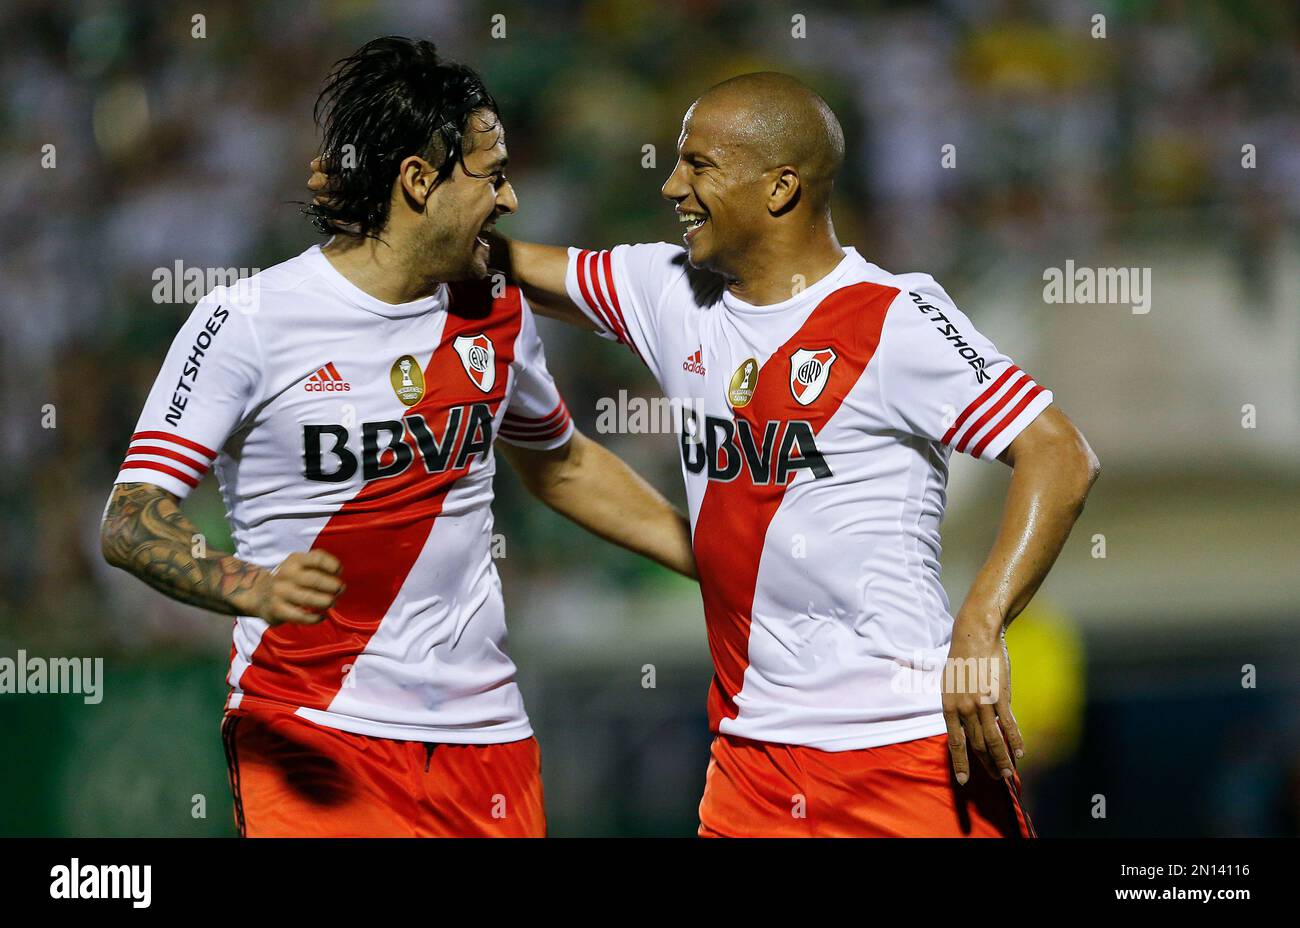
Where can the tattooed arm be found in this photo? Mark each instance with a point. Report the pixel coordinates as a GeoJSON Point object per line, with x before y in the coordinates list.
{"type": "Point", "coordinates": [145, 533]}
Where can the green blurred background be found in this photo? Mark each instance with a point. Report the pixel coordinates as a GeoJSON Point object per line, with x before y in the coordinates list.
{"type": "Point", "coordinates": [1125, 150]}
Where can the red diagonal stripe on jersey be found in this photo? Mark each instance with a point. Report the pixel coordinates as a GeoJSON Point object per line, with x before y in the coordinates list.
{"type": "Point", "coordinates": [175, 439]}
{"type": "Point", "coordinates": [979, 401]}
{"type": "Point", "coordinates": [734, 516]}
{"type": "Point", "coordinates": [332, 371]}
{"type": "Point", "coordinates": [379, 534]}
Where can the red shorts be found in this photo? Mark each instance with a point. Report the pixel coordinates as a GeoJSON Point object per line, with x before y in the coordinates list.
{"type": "Point", "coordinates": [294, 778]}
{"type": "Point", "coordinates": [757, 789]}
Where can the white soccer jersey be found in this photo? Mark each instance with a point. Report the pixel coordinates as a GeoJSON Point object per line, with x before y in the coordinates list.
{"type": "Point", "coordinates": [340, 422]}
{"type": "Point", "coordinates": [815, 452]}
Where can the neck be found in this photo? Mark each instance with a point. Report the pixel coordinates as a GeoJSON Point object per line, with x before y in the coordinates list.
{"type": "Point", "coordinates": [377, 268]}
{"type": "Point", "coordinates": [782, 265]}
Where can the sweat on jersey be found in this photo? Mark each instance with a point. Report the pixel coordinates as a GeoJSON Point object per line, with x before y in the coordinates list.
{"type": "Point", "coordinates": [336, 421]}
{"type": "Point", "coordinates": [815, 436]}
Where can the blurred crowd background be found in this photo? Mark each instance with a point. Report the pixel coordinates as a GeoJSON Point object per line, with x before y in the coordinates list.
{"type": "Point", "coordinates": [1156, 675]}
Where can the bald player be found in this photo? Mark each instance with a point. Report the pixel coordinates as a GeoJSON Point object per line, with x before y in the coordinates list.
{"type": "Point", "coordinates": [824, 397]}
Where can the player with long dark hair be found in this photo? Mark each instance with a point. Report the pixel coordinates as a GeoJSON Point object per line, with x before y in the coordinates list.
{"type": "Point", "coordinates": [350, 401]}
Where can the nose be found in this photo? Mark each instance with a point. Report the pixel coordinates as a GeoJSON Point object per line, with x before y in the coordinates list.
{"type": "Point", "coordinates": [507, 202]}
{"type": "Point", "coordinates": [674, 187]}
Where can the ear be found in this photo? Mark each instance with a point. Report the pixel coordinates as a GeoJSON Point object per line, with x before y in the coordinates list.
{"type": "Point", "coordinates": [784, 192]}
{"type": "Point", "coordinates": [417, 178]}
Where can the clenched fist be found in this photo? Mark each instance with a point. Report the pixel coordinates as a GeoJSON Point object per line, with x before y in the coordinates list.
{"type": "Point", "coordinates": [301, 589]}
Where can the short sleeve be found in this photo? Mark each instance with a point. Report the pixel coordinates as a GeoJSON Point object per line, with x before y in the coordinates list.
{"type": "Point", "coordinates": [535, 415]}
{"type": "Point", "coordinates": [621, 291]}
{"type": "Point", "coordinates": [941, 379]}
{"type": "Point", "coordinates": [203, 390]}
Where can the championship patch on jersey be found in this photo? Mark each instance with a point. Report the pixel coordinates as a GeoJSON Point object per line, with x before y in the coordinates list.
{"type": "Point", "coordinates": [479, 357]}
{"type": "Point", "coordinates": [741, 389]}
{"type": "Point", "coordinates": [809, 371]}
{"type": "Point", "coordinates": [407, 380]}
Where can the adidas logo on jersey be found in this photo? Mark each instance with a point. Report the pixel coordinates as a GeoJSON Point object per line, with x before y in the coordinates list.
{"type": "Point", "coordinates": [327, 380]}
{"type": "Point", "coordinates": [695, 363]}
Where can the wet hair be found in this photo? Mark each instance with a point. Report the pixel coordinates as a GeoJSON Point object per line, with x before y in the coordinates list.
{"type": "Point", "coordinates": [390, 99]}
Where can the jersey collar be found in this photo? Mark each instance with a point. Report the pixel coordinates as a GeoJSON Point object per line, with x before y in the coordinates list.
{"type": "Point", "coordinates": [358, 297]}
{"type": "Point", "coordinates": [819, 289]}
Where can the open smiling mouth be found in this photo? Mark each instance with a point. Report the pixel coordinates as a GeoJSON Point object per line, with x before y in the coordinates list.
{"type": "Point", "coordinates": [693, 222]}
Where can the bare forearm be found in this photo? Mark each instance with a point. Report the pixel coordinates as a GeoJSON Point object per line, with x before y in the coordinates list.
{"type": "Point", "coordinates": [595, 489]}
{"type": "Point", "coordinates": [1045, 498]}
{"type": "Point", "coordinates": [540, 271]}
{"type": "Point", "coordinates": [146, 534]}
{"type": "Point", "coordinates": [542, 267]}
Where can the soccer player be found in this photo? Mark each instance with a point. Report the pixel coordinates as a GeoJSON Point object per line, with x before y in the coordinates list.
{"type": "Point", "coordinates": [350, 401]}
{"type": "Point", "coordinates": [846, 697]}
